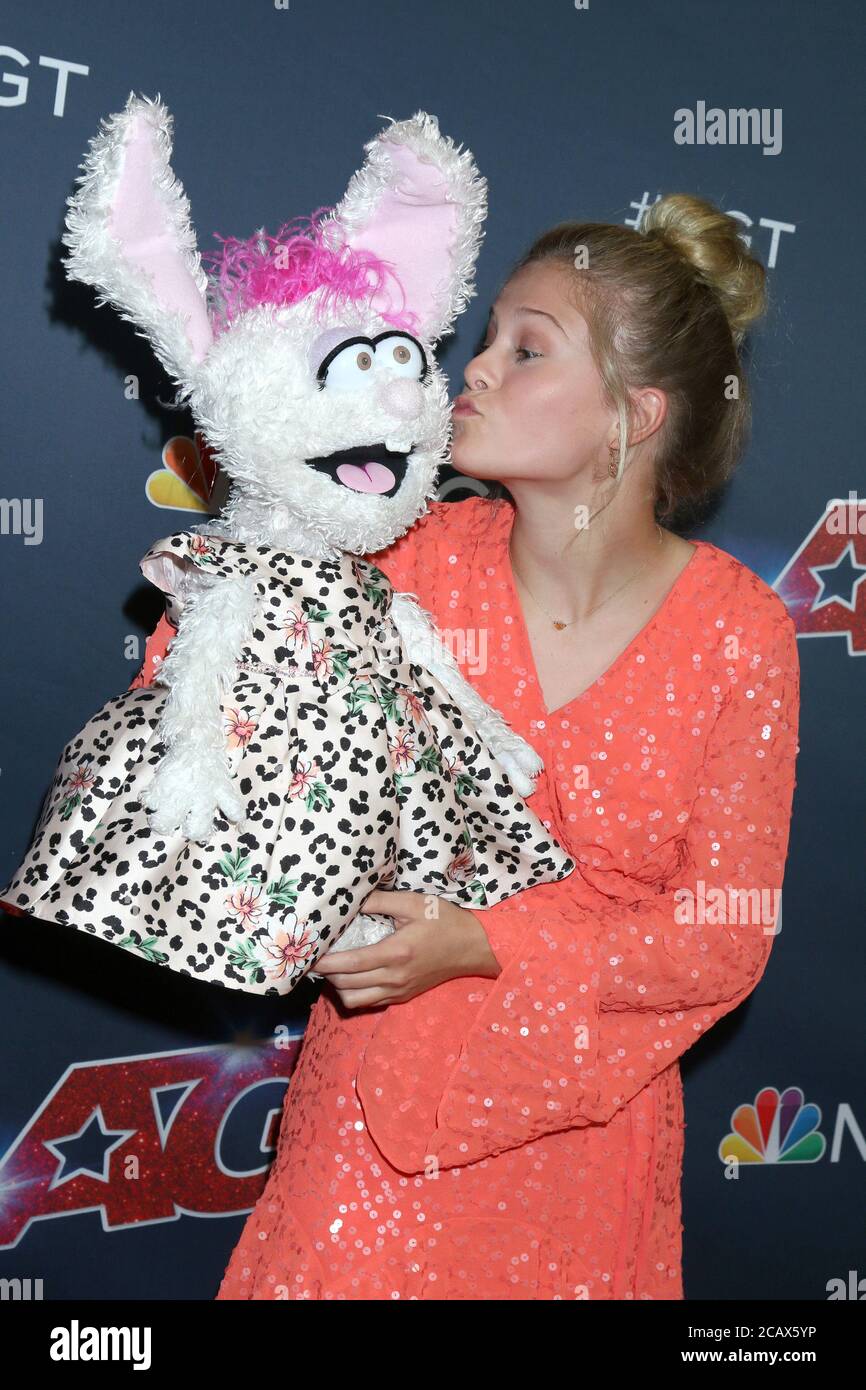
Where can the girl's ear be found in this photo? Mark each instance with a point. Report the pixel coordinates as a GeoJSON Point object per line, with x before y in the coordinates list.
{"type": "Point", "coordinates": [419, 203]}
{"type": "Point", "coordinates": [129, 234]}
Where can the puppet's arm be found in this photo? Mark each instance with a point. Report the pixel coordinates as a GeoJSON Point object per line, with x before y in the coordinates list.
{"type": "Point", "coordinates": [425, 648]}
{"type": "Point", "coordinates": [193, 780]}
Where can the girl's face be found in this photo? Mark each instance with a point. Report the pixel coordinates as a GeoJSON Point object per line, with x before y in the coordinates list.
{"type": "Point", "coordinates": [536, 389]}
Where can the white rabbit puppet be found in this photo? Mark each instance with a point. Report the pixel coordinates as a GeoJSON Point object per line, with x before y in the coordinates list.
{"type": "Point", "coordinates": [309, 737]}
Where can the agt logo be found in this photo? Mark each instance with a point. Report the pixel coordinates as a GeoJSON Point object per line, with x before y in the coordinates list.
{"type": "Point", "coordinates": [780, 1128]}
{"type": "Point", "coordinates": [16, 85]}
{"type": "Point", "coordinates": [151, 1138]}
{"type": "Point", "coordinates": [822, 584]}
{"type": "Point", "coordinates": [771, 227]}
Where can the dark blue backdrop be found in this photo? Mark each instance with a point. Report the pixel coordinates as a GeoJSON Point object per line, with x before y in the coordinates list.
{"type": "Point", "coordinates": [570, 113]}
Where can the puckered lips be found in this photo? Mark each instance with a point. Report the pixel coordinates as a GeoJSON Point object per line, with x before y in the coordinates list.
{"type": "Point", "coordinates": [366, 468]}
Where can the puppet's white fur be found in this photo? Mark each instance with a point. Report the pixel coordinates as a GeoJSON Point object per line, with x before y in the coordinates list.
{"type": "Point", "coordinates": [253, 394]}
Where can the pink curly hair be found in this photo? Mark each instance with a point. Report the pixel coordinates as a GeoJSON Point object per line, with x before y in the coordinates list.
{"type": "Point", "coordinates": [285, 268]}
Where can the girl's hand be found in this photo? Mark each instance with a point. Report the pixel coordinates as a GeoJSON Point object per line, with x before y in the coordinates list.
{"type": "Point", "coordinates": [435, 940]}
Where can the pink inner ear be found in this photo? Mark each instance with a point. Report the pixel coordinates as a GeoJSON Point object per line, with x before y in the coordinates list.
{"type": "Point", "coordinates": [142, 223]}
{"type": "Point", "coordinates": [413, 227]}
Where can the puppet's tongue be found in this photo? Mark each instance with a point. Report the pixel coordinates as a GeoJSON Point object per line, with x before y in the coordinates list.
{"type": "Point", "coordinates": [366, 477]}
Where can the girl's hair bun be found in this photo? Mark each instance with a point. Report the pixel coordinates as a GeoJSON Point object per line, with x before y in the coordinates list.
{"type": "Point", "coordinates": [710, 241]}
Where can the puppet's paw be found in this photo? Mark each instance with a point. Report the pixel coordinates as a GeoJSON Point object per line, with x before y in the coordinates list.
{"type": "Point", "coordinates": [364, 930]}
{"type": "Point", "coordinates": [516, 757]}
{"type": "Point", "coordinates": [224, 791]}
{"type": "Point", "coordinates": [185, 798]}
{"type": "Point", "coordinates": [523, 785]}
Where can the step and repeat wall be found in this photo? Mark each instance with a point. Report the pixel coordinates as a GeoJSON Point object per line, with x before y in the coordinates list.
{"type": "Point", "coordinates": [571, 111]}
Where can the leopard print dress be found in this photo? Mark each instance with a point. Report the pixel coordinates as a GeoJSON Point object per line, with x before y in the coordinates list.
{"type": "Point", "coordinates": [357, 770]}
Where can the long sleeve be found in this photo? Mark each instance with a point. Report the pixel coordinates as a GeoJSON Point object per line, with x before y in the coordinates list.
{"type": "Point", "coordinates": [598, 994]}
{"type": "Point", "coordinates": [155, 651]}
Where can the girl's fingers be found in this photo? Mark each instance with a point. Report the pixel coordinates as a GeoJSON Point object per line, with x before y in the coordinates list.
{"type": "Point", "coordinates": [360, 958]}
{"type": "Point", "coordinates": [366, 979]}
{"type": "Point", "coordinates": [395, 903]}
{"type": "Point", "coordinates": [363, 998]}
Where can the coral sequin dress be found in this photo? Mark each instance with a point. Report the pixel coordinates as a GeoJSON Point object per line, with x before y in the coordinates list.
{"type": "Point", "coordinates": [522, 1138]}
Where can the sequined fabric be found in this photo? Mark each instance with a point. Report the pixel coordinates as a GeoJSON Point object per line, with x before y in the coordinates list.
{"type": "Point", "coordinates": [522, 1138]}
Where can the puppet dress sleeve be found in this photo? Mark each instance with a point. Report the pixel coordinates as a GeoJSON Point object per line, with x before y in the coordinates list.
{"type": "Point", "coordinates": [168, 565]}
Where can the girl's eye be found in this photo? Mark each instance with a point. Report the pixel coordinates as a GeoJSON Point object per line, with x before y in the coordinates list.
{"type": "Point", "coordinates": [529, 354]}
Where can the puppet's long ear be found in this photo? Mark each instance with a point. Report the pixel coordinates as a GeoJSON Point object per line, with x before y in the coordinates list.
{"type": "Point", "coordinates": [130, 235]}
{"type": "Point", "coordinates": [419, 203]}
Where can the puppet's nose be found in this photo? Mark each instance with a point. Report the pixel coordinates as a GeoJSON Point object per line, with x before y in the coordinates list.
{"type": "Point", "coordinates": [401, 398]}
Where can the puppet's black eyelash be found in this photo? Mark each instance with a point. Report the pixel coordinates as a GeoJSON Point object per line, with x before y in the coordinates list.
{"type": "Point", "coordinates": [424, 378]}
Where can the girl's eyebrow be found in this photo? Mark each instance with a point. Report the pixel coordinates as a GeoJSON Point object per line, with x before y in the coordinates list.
{"type": "Point", "coordinates": [527, 309]}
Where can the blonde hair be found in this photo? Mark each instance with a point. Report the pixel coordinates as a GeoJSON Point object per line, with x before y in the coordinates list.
{"type": "Point", "coordinates": [668, 305]}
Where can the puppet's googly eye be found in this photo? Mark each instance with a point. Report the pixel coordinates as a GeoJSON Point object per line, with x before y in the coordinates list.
{"type": "Point", "coordinates": [401, 355]}
{"type": "Point", "coordinates": [348, 368]}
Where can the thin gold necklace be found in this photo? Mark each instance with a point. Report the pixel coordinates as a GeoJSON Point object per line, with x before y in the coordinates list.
{"type": "Point", "coordinates": [557, 623]}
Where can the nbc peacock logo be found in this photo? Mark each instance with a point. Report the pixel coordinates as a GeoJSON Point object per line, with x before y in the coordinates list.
{"type": "Point", "coordinates": [190, 479]}
{"type": "Point", "coordinates": [776, 1129]}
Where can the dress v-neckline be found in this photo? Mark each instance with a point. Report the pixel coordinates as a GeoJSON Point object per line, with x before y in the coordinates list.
{"type": "Point", "coordinates": [517, 608]}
